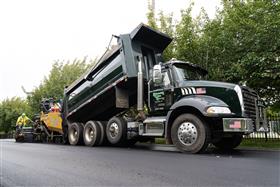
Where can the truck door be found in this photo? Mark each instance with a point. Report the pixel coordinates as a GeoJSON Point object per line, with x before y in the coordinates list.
{"type": "Point", "coordinates": [161, 95]}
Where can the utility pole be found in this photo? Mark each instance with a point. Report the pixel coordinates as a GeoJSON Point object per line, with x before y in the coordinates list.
{"type": "Point", "coordinates": [151, 14]}
{"type": "Point", "coordinates": [153, 5]}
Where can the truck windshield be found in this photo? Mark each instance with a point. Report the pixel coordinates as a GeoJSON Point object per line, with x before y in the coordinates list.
{"type": "Point", "coordinates": [186, 72]}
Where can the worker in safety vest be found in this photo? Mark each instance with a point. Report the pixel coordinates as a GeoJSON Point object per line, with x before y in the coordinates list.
{"type": "Point", "coordinates": [56, 107]}
{"type": "Point", "coordinates": [22, 120]}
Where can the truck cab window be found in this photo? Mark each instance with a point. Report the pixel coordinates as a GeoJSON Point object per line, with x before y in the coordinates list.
{"type": "Point", "coordinates": [184, 72]}
{"type": "Point", "coordinates": [165, 83]}
{"type": "Point", "coordinates": [166, 79]}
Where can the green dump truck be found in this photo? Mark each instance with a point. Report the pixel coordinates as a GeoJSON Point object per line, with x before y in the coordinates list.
{"type": "Point", "coordinates": [132, 95]}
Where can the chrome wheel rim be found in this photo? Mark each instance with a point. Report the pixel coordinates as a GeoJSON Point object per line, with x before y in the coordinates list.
{"type": "Point", "coordinates": [90, 134]}
{"type": "Point", "coordinates": [74, 134]}
{"type": "Point", "coordinates": [114, 130]}
{"type": "Point", "coordinates": [187, 133]}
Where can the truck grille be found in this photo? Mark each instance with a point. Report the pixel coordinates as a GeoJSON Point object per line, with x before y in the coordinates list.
{"type": "Point", "coordinates": [251, 109]}
{"type": "Point", "coordinates": [249, 99]}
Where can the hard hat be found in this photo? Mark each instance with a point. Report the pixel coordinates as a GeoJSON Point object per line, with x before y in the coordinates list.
{"type": "Point", "coordinates": [23, 114]}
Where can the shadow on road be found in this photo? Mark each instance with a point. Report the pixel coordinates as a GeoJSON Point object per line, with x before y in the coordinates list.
{"type": "Point", "coordinates": [173, 149]}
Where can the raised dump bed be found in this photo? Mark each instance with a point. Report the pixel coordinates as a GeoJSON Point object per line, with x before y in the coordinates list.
{"type": "Point", "coordinates": [111, 86]}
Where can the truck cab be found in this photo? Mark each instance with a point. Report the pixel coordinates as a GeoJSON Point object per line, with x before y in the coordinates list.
{"type": "Point", "coordinates": [169, 76]}
{"type": "Point", "coordinates": [178, 90]}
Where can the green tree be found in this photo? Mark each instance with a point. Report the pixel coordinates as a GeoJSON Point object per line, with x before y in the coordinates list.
{"type": "Point", "coordinates": [212, 49]}
{"type": "Point", "coordinates": [240, 45]}
{"type": "Point", "coordinates": [10, 110]}
{"type": "Point", "coordinates": [167, 26]}
{"type": "Point", "coordinates": [187, 38]}
{"type": "Point", "coordinates": [243, 44]}
{"type": "Point", "coordinates": [61, 75]}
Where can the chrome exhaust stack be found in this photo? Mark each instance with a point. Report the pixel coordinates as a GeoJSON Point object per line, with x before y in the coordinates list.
{"type": "Point", "coordinates": [140, 86]}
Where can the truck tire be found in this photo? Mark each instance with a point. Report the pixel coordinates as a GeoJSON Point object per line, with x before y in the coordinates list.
{"type": "Point", "coordinates": [228, 143]}
{"type": "Point", "coordinates": [28, 138]}
{"type": "Point", "coordinates": [189, 133]}
{"type": "Point", "coordinates": [44, 137]}
{"type": "Point", "coordinates": [18, 139]}
{"type": "Point", "coordinates": [92, 133]}
{"type": "Point", "coordinates": [65, 132]}
{"type": "Point", "coordinates": [102, 139]}
{"type": "Point", "coordinates": [116, 131]}
{"type": "Point", "coordinates": [75, 134]}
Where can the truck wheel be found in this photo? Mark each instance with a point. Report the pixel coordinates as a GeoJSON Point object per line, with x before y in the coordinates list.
{"type": "Point", "coordinates": [75, 134]}
{"type": "Point", "coordinates": [116, 130]}
{"type": "Point", "coordinates": [92, 133]}
{"type": "Point", "coordinates": [190, 134]}
{"type": "Point", "coordinates": [19, 139]}
{"type": "Point", "coordinates": [28, 138]}
{"type": "Point", "coordinates": [102, 139]}
{"type": "Point", "coordinates": [228, 143]}
{"type": "Point", "coordinates": [44, 137]}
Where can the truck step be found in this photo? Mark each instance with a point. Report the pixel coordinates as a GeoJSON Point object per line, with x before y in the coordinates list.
{"type": "Point", "coordinates": [159, 119]}
{"type": "Point", "coordinates": [153, 134]}
{"type": "Point", "coordinates": [153, 126]}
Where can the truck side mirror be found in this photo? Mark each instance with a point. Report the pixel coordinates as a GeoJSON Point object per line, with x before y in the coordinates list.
{"type": "Point", "coordinates": [157, 75]}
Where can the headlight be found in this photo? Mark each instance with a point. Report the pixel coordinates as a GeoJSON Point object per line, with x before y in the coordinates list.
{"type": "Point", "coordinates": [218, 110]}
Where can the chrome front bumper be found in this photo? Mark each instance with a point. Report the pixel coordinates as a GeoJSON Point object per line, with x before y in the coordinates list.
{"type": "Point", "coordinates": [244, 125]}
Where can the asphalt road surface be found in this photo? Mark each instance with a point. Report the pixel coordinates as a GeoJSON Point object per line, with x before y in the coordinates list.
{"type": "Point", "coordinates": [34, 164]}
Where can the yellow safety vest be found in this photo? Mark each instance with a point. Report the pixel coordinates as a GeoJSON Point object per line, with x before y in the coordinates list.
{"type": "Point", "coordinates": [22, 120]}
